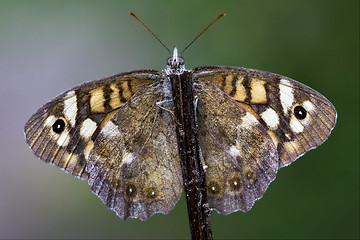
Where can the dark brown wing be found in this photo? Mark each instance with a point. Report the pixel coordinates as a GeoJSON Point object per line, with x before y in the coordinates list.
{"type": "Point", "coordinates": [240, 157]}
{"type": "Point", "coordinates": [63, 131]}
{"type": "Point", "coordinates": [295, 116]}
{"type": "Point", "coordinates": [134, 166]}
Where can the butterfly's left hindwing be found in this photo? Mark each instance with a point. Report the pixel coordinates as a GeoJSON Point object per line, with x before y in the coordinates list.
{"type": "Point", "coordinates": [240, 157]}
{"type": "Point", "coordinates": [63, 131]}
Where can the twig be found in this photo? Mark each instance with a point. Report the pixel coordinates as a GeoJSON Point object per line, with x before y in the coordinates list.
{"type": "Point", "coordinates": [189, 149]}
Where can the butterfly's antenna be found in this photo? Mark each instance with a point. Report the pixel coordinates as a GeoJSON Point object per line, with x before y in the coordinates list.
{"type": "Point", "coordinates": [136, 17]}
{"type": "Point", "coordinates": [213, 21]}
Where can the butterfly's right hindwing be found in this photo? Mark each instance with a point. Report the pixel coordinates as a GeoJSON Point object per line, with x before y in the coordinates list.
{"type": "Point", "coordinates": [134, 166]}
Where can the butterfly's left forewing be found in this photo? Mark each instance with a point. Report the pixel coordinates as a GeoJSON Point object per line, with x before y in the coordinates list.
{"type": "Point", "coordinates": [295, 116]}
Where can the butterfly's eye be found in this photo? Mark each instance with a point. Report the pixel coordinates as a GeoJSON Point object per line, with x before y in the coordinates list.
{"type": "Point", "coordinates": [169, 61]}
{"type": "Point", "coordinates": [300, 112]}
{"type": "Point", "coordinates": [58, 126]}
{"type": "Point", "coordinates": [181, 62]}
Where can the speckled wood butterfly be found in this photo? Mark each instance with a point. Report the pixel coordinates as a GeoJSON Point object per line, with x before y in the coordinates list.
{"type": "Point", "coordinates": [119, 133]}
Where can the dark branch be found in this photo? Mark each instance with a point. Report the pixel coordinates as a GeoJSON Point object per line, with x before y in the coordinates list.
{"type": "Point", "coordinates": [189, 149]}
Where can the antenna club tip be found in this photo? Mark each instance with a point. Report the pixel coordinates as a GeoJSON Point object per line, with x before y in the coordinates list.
{"type": "Point", "coordinates": [220, 16]}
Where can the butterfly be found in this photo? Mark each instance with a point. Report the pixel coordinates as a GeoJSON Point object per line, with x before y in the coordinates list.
{"type": "Point", "coordinates": [119, 134]}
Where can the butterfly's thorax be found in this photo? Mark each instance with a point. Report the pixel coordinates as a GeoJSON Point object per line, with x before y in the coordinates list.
{"type": "Point", "coordinates": [173, 74]}
{"type": "Point", "coordinates": [175, 64]}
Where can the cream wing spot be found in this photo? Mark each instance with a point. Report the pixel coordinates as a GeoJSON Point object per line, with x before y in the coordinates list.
{"type": "Point", "coordinates": [248, 120]}
{"type": "Point", "coordinates": [64, 138]}
{"type": "Point", "coordinates": [309, 106]}
{"type": "Point", "coordinates": [87, 129]}
{"type": "Point", "coordinates": [271, 118]}
{"type": "Point", "coordinates": [286, 95]}
{"type": "Point", "coordinates": [111, 129]}
{"type": "Point", "coordinates": [128, 158]}
{"type": "Point", "coordinates": [295, 125]}
{"type": "Point", "coordinates": [70, 107]}
{"type": "Point", "coordinates": [234, 151]}
{"type": "Point", "coordinates": [50, 120]}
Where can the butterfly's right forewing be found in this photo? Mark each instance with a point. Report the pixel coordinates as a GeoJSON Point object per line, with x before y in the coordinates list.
{"type": "Point", "coordinates": [63, 131]}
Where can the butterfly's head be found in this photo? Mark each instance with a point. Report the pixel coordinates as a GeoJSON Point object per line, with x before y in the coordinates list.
{"type": "Point", "coordinates": [175, 64]}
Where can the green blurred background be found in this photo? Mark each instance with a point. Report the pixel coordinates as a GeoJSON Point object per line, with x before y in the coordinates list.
{"type": "Point", "coordinates": [47, 47]}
